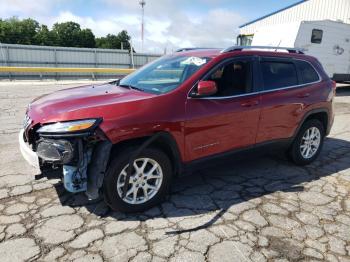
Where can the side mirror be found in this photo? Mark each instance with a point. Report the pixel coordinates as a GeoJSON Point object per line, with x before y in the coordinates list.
{"type": "Point", "coordinates": [206, 88]}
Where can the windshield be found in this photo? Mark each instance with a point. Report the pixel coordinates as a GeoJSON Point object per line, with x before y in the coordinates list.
{"type": "Point", "coordinates": [164, 74]}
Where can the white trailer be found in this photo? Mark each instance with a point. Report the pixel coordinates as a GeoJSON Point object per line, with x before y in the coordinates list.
{"type": "Point", "coordinates": [327, 40]}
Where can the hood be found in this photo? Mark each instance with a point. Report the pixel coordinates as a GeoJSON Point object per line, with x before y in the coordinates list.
{"type": "Point", "coordinates": [91, 101]}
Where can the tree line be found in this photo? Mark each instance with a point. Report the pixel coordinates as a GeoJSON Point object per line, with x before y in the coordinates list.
{"type": "Point", "coordinates": [68, 34]}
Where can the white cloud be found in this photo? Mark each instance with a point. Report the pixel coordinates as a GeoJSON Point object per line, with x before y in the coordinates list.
{"type": "Point", "coordinates": [28, 8]}
{"type": "Point", "coordinates": [213, 29]}
{"type": "Point", "coordinates": [168, 24]}
{"type": "Point", "coordinates": [100, 27]}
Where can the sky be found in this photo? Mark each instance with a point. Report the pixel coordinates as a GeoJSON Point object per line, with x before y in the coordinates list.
{"type": "Point", "coordinates": [169, 24]}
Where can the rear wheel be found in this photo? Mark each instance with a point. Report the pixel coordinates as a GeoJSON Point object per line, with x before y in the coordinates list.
{"type": "Point", "coordinates": [148, 184]}
{"type": "Point", "coordinates": [308, 143]}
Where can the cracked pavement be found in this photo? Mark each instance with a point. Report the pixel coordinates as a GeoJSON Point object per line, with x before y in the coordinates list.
{"type": "Point", "coordinates": [261, 210]}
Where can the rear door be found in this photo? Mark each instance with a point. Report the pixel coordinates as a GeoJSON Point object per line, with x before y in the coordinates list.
{"type": "Point", "coordinates": [285, 97]}
{"type": "Point", "coordinates": [228, 119]}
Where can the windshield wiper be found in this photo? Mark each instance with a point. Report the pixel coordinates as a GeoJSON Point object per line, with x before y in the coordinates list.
{"type": "Point", "coordinates": [125, 86]}
{"type": "Point", "coordinates": [132, 87]}
{"type": "Point", "coordinates": [136, 88]}
{"type": "Point", "coordinates": [114, 82]}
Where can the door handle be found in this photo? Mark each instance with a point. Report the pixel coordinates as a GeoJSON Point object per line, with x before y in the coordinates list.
{"type": "Point", "coordinates": [250, 103]}
{"type": "Point", "coordinates": [304, 95]}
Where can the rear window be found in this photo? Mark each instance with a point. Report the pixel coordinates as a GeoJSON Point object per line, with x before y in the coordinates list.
{"type": "Point", "coordinates": [278, 74]}
{"type": "Point", "coordinates": [307, 72]}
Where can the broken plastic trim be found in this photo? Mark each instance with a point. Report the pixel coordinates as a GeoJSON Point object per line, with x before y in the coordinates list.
{"type": "Point", "coordinates": [97, 168]}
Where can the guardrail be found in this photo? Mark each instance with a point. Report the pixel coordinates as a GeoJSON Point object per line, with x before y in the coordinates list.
{"type": "Point", "coordinates": [10, 69]}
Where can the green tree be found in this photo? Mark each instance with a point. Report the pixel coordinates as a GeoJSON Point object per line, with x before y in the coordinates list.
{"type": "Point", "coordinates": [114, 41]}
{"type": "Point", "coordinates": [67, 34]}
{"type": "Point", "coordinates": [29, 29]}
{"type": "Point", "coordinates": [2, 31]}
{"type": "Point", "coordinates": [15, 31]}
{"type": "Point", "coordinates": [110, 41]}
{"type": "Point", "coordinates": [87, 38]}
{"type": "Point", "coordinates": [45, 37]}
{"type": "Point", "coordinates": [124, 38]}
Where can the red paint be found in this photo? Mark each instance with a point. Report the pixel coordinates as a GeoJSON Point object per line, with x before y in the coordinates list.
{"type": "Point", "coordinates": [201, 127]}
{"type": "Point", "coordinates": [206, 88]}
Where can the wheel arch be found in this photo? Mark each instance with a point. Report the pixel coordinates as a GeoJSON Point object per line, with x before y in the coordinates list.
{"type": "Point", "coordinates": [162, 140]}
{"type": "Point", "coordinates": [321, 114]}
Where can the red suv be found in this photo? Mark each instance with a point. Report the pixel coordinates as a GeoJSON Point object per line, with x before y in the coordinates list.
{"type": "Point", "coordinates": [127, 139]}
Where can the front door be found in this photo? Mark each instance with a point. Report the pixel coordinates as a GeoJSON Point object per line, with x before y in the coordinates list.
{"type": "Point", "coordinates": [227, 120]}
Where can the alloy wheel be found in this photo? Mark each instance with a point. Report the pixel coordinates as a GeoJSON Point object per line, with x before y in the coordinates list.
{"type": "Point", "coordinates": [310, 142]}
{"type": "Point", "coordinates": [144, 183]}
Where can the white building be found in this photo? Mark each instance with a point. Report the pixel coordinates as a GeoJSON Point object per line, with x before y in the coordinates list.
{"type": "Point", "coordinates": [307, 10]}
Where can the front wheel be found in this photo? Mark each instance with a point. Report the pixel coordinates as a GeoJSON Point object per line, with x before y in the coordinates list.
{"type": "Point", "coordinates": [308, 143]}
{"type": "Point", "coordinates": [148, 184]}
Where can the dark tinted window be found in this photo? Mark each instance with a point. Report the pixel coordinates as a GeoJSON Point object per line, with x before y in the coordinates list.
{"type": "Point", "coordinates": [316, 36]}
{"type": "Point", "coordinates": [307, 72]}
{"type": "Point", "coordinates": [233, 79]}
{"type": "Point", "coordinates": [278, 75]}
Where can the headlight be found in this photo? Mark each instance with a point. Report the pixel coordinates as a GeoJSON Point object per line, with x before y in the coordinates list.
{"type": "Point", "coordinates": [71, 126]}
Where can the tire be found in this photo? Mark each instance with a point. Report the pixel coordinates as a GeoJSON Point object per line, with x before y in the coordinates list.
{"type": "Point", "coordinates": [116, 170]}
{"type": "Point", "coordinates": [296, 150]}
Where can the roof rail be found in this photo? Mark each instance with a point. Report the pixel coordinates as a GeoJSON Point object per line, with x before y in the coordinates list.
{"type": "Point", "coordinates": [192, 48]}
{"type": "Point", "coordinates": [240, 48]}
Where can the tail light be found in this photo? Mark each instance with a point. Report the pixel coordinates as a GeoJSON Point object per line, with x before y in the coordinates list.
{"type": "Point", "coordinates": [334, 85]}
{"type": "Point", "coordinates": [333, 91]}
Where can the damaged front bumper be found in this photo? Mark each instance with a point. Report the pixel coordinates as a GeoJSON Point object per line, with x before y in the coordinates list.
{"type": "Point", "coordinates": [83, 159]}
{"type": "Point", "coordinates": [28, 154]}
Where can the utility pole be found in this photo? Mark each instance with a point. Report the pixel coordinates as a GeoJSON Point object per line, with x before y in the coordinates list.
{"type": "Point", "coordinates": [142, 3]}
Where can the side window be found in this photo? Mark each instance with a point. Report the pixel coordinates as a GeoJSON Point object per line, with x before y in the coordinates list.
{"type": "Point", "coordinates": [233, 79]}
{"type": "Point", "coordinates": [307, 72]}
{"type": "Point", "coordinates": [316, 36]}
{"type": "Point", "coordinates": [278, 74]}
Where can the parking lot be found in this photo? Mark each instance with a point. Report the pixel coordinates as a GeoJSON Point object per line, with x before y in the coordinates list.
{"type": "Point", "coordinates": [264, 209]}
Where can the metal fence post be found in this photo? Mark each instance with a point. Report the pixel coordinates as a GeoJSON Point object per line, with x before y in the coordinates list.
{"type": "Point", "coordinates": [132, 56]}
{"type": "Point", "coordinates": [56, 62]}
{"type": "Point", "coordinates": [8, 59]}
{"type": "Point", "coordinates": [95, 58]}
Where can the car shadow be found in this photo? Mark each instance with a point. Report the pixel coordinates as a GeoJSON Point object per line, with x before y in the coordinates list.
{"type": "Point", "coordinates": [231, 182]}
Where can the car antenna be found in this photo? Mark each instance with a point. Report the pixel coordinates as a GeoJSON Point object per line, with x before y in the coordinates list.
{"type": "Point", "coordinates": [278, 45]}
